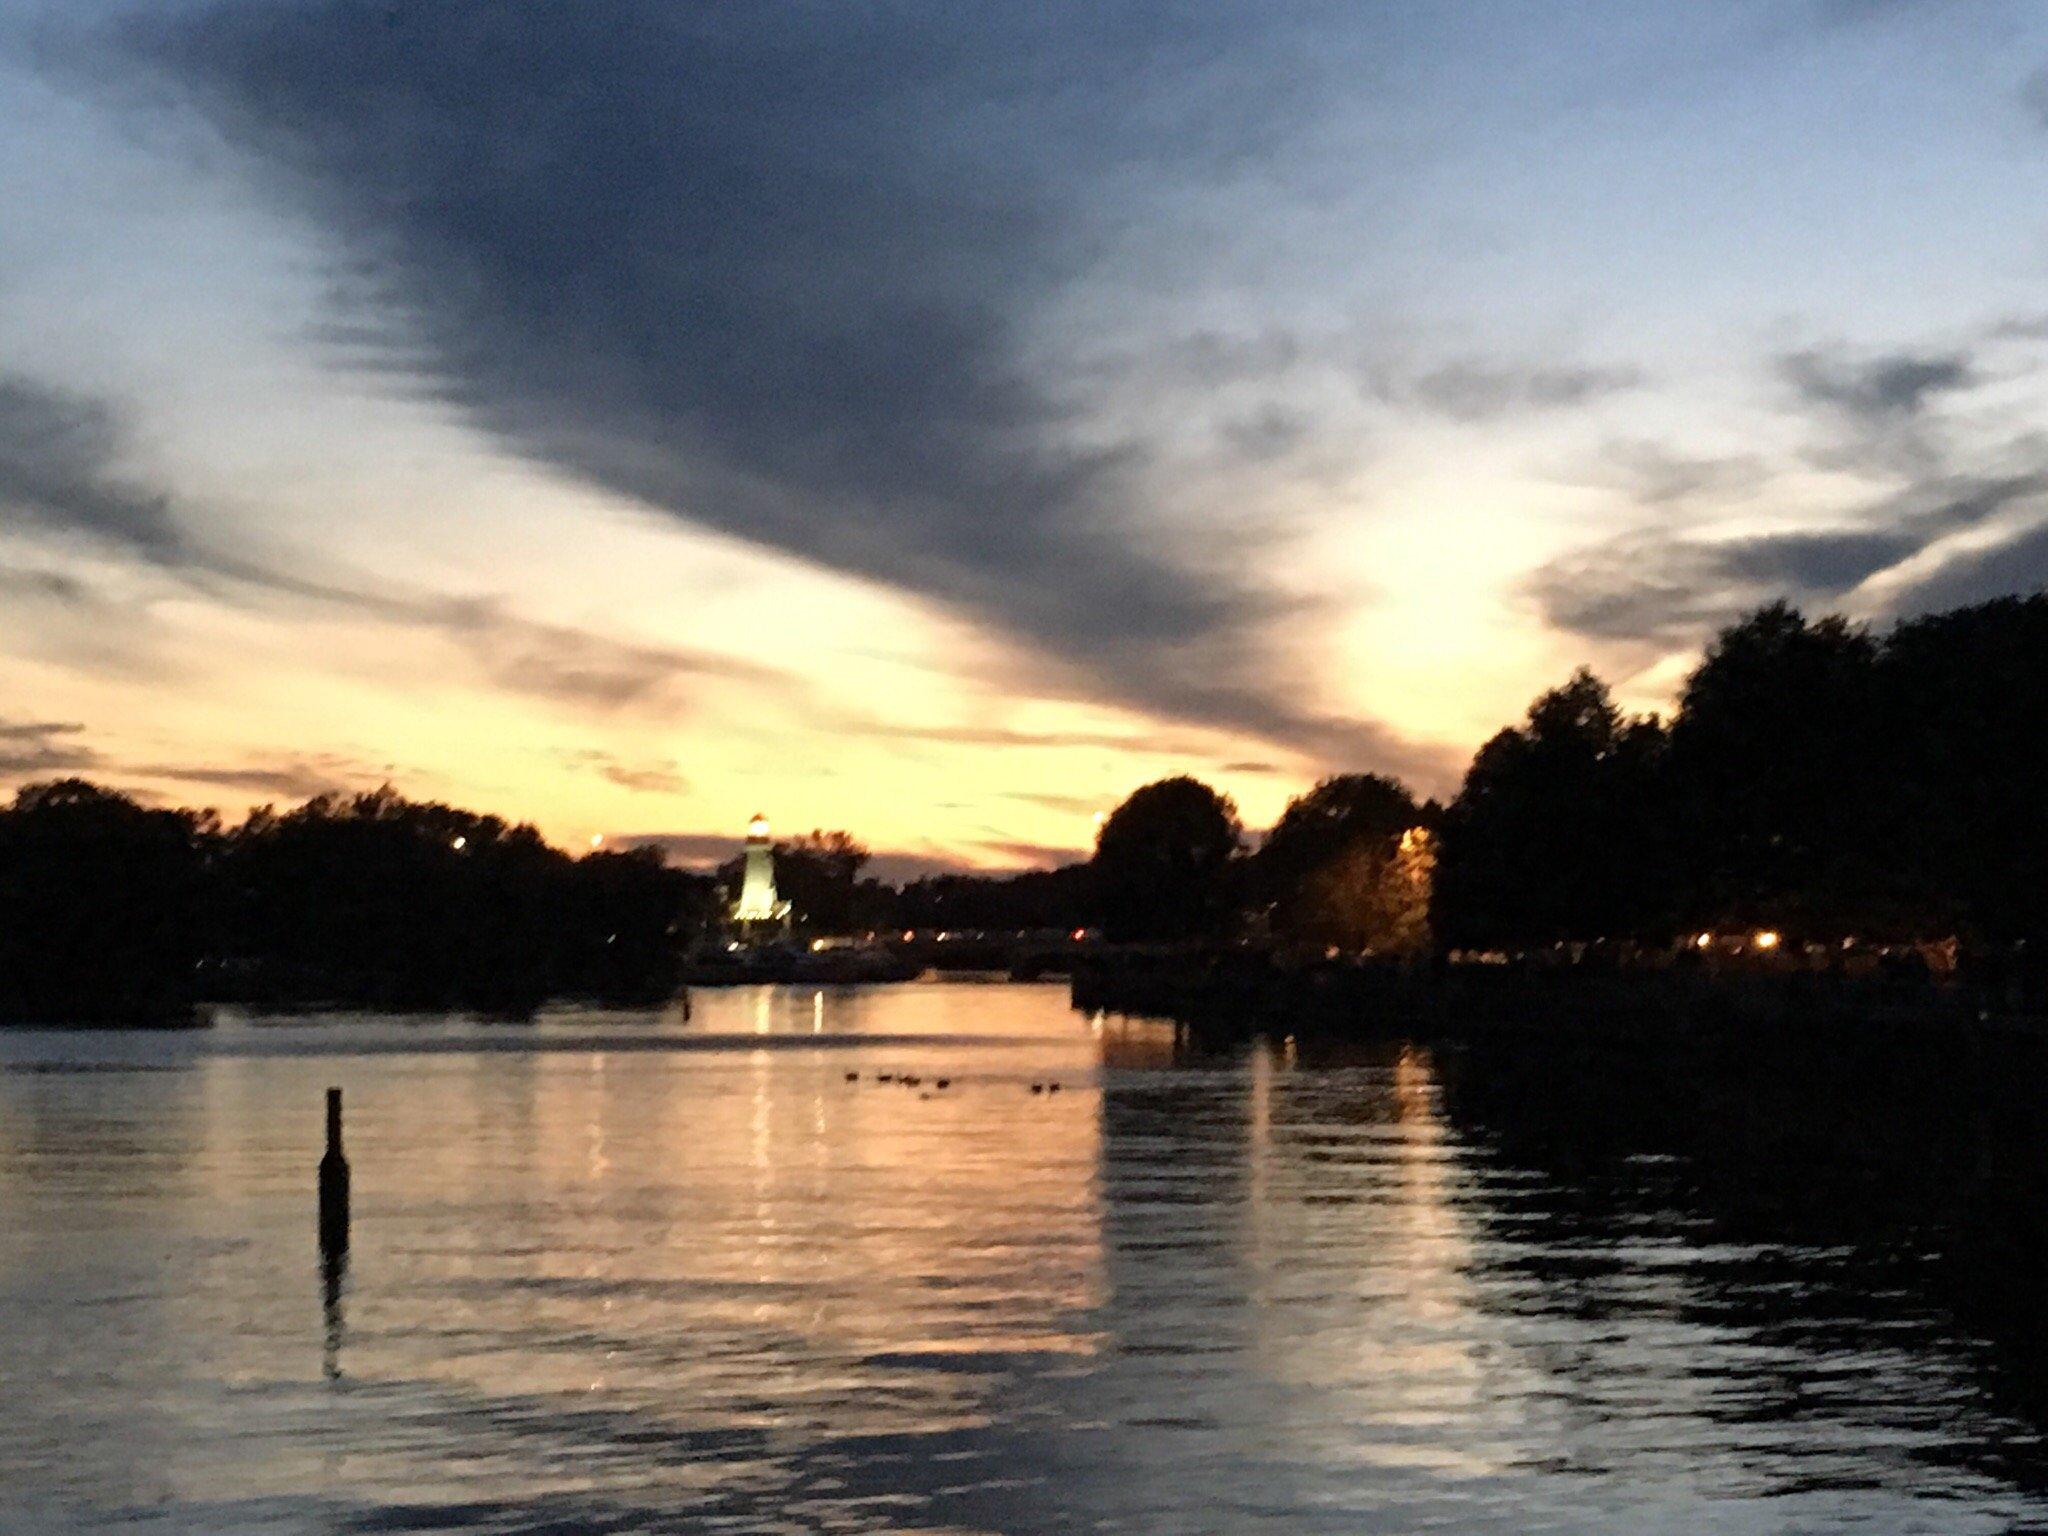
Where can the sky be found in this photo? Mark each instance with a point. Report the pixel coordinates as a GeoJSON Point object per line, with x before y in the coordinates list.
{"type": "Point", "coordinates": [937, 421]}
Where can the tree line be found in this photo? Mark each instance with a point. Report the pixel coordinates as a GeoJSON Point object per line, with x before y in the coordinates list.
{"type": "Point", "coordinates": [1816, 780]}
{"type": "Point", "coordinates": [112, 910]}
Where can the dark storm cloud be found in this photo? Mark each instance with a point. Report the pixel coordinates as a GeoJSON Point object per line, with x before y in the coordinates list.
{"type": "Point", "coordinates": [1474, 390]}
{"type": "Point", "coordinates": [1342, 742]}
{"type": "Point", "coordinates": [899, 866]}
{"type": "Point", "coordinates": [61, 472]}
{"type": "Point", "coordinates": [32, 749]}
{"type": "Point", "coordinates": [771, 268]}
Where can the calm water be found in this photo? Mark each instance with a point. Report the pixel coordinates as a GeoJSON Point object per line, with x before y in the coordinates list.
{"type": "Point", "coordinates": [616, 1272]}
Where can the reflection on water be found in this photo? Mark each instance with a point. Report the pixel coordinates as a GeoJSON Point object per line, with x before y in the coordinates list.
{"type": "Point", "coordinates": [617, 1271]}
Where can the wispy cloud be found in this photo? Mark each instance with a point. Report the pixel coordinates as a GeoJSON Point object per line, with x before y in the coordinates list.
{"type": "Point", "coordinates": [1066, 805]}
{"type": "Point", "coordinates": [643, 777]}
{"type": "Point", "coordinates": [61, 472]}
{"type": "Point", "coordinates": [1023, 855]}
{"type": "Point", "coordinates": [1654, 475]}
{"type": "Point", "coordinates": [2034, 96]}
{"type": "Point", "coordinates": [1882, 389]}
{"type": "Point", "coordinates": [1886, 418]}
{"type": "Point", "coordinates": [707, 850]}
{"type": "Point", "coordinates": [2018, 564]}
{"type": "Point", "coordinates": [31, 749]}
{"type": "Point", "coordinates": [43, 749]}
{"type": "Point", "coordinates": [65, 473]}
{"type": "Point", "coordinates": [293, 778]}
{"type": "Point", "coordinates": [1485, 389]}
{"type": "Point", "coordinates": [1670, 587]}
{"type": "Point", "coordinates": [41, 583]}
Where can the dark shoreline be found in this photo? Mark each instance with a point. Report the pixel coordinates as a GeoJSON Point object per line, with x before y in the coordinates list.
{"type": "Point", "coordinates": [1244, 994]}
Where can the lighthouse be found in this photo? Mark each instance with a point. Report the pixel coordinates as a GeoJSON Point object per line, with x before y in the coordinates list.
{"type": "Point", "coordinates": [758, 905]}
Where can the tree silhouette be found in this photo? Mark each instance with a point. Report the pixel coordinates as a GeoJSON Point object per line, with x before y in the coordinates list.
{"type": "Point", "coordinates": [1791, 810]}
{"type": "Point", "coordinates": [102, 906]}
{"type": "Point", "coordinates": [1062, 899]}
{"type": "Point", "coordinates": [1162, 863]}
{"type": "Point", "coordinates": [819, 875]}
{"type": "Point", "coordinates": [1559, 832]}
{"type": "Point", "coordinates": [1963, 699]}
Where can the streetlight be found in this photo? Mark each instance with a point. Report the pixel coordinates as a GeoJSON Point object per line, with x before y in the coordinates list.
{"type": "Point", "coordinates": [460, 843]}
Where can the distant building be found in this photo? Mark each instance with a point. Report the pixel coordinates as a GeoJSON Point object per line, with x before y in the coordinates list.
{"type": "Point", "coordinates": [759, 908]}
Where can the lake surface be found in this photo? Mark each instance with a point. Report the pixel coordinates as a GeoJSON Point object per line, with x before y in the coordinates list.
{"type": "Point", "coordinates": [615, 1271]}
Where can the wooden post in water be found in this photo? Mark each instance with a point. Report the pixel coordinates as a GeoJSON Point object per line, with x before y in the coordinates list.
{"type": "Point", "coordinates": [333, 1185]}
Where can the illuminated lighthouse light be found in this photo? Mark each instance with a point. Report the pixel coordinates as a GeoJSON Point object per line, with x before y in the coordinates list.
{"type": "Point", "coordinates": [758, 903]}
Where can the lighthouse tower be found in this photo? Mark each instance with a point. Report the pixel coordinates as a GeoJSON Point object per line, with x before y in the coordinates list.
{"type": "Point", "coordinates": [758, 906]}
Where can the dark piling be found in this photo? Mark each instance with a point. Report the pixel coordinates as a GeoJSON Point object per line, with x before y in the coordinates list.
{"type": "Point", "coordinates": [333, 1185]}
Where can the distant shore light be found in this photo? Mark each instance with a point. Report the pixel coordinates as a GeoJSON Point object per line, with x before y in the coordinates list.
{"type": "Point", "coordinates": [460, 843]}
{"type": "Point", "coordinates": [1767, 939]}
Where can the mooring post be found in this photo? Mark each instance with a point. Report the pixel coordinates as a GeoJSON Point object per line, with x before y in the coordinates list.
{"type": "Point", "coordinates": [333, 1184]}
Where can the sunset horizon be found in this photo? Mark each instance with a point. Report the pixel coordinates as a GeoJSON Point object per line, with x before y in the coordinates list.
{"type": "Point", "coordinates": [938, 426]}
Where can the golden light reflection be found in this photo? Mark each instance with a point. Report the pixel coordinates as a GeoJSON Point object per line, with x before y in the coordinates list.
{"type": "Point", "coordinates": [1341, 1166]}
{"type": "Point", "coordinates": [719, 1204]}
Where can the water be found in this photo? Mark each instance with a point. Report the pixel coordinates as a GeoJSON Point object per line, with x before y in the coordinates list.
{"type": "Point", "coordinates": [619, 1272]}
